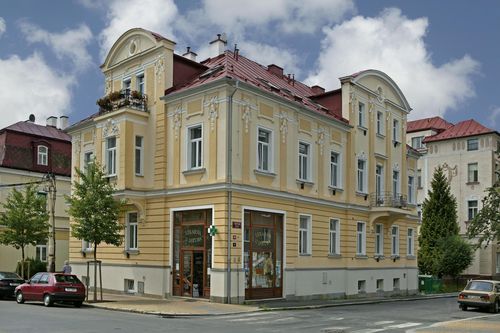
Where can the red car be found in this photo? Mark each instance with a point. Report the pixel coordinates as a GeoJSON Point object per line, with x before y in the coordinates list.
{"type": "Point", "coordinates": [50, 288]}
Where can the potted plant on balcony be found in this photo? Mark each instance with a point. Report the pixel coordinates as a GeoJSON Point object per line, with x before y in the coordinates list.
{"type": "Point", "coordinates": [105, 104]}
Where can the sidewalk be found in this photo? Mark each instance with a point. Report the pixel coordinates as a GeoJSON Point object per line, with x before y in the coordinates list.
{"type": "Point", "coordinates": [179, 306]}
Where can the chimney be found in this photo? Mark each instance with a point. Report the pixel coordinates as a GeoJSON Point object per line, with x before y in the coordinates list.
{"type": "Point", "coordinates": [190, 54]}
{"type": "Point", "coordinates": [218, 46]}
{"type": "Point", "coordinates": [275, 69]}
{"type": "Point", "coordinates": [317, 90]}
{"type": "Point", "coordinates": [52, 121]}
{"type": "Point", "coordinates": [63, 122]}
{"type": "Point", "coordinates": [31, 118]}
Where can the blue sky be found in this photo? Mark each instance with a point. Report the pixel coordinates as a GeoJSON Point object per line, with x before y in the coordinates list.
{"type": "Point", "coordinates": [444, 55]}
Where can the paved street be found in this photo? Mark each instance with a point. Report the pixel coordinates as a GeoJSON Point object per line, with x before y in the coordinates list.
{"type": "Point", "coordinates": [436, 315]}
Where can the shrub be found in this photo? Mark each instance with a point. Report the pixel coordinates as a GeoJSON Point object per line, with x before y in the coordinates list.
{"type": "Point", "coordinates": [31, 267]}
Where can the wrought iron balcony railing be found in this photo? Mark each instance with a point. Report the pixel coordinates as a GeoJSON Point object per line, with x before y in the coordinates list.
{"type": "Point", "coordinates": [388, 199]}
{"type": "Point", "coordinates": [123, 98]}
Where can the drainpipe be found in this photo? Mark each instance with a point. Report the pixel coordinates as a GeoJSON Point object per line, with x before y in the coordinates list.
{"type": "Point", "coordinates": [229, 179]}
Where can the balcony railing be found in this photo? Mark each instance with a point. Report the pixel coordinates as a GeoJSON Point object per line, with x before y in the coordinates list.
{"type": "Point", "coordinates": [123, 98]}
{"type": "Point", "coordinates": [388, 199]}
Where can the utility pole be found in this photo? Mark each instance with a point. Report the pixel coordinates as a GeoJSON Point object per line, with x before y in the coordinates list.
{"type": "Point", "coordinates": [51, 262]}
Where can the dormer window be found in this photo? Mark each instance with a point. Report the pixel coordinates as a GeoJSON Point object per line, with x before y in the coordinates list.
{"type": "Point", "coordinates": [43, 155]}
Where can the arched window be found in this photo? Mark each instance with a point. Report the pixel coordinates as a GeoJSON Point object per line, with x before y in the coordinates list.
{"type": "Point", "coordinates": [43, 155]}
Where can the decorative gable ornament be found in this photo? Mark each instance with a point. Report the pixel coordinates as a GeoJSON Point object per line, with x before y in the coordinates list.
{"type": "Point", "coordinates": [212, 230]}
{"type": "Point", "coordinates": [246, 114]}
{"type": "Point", "coordinates": [283, 125]}
{"type": "Point", "coordinates": [213, 114]}
{"type": "Point", "coordinates": [110, 129]}
{"type": "Point", "coordinates": [321, 139]}
{"type": "Point", "coordinates": [177, 121]}
{"type": "Point", "coordinates": [159, 68]}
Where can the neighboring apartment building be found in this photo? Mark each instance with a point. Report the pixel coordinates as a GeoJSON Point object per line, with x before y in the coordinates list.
{"type": "Point", "coordinates": [28, 152]}
{"type": "Point", "coordinates": [467, 151]}
{"type": "Point", "coordinates": [312, 193]}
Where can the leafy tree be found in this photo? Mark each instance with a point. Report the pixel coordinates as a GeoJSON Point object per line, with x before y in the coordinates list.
{"type": "Point", "coordinates": [94, 210]}
{"type": "Point", "coordinates": [485, 227]}
{"type": "Point", "coordinates": [25, 219]}
{"type": "Point", "coordinates": [439, 221]}
{"type": "Point", "coordinates": [453, 256]}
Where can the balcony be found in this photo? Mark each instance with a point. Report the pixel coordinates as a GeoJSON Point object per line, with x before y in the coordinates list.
{"type": "Point", "coordinates": [388, 199]}
{"type": "Point", "coordinates": [123, 98]}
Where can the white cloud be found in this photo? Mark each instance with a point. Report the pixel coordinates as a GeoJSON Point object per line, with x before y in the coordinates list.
{"type": "Point", "coordinates": [494, 117]}
{"type": "Point", "coordinates": [395, 45]}
{"type": "Point", "coordinates": [91, 4]}
{"type": "Point", "coordinates": [32, 87]}
{"type": "Point", "coordinates": [155, 15]}
{"type": "Point", "coordinates": [2, 26]}
{"type": "Point", "coordinates": [70, 43]}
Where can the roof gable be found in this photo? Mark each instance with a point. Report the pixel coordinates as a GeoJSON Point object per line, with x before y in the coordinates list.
{"type": "Point", "coordinates": [462, 129]}
{"type": "Point", "coordinates": [434, 123]}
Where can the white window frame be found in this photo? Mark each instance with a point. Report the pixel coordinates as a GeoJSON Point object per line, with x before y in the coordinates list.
{"type": "Point", "coordinates": [380, 123]}
{"type": "Point", "coordinates": [42, 156]}
{"type": "Point", "coordinates": [198, 164]}
{"type": "Point", "coordinates": [472, 211]}
{"type": "Point", "coordinates": [139, 152]}
{"type": "Point", "coordinates": [336, 168]}
{"type": "Point", "coordinates": [410, 242]}
{"type": "Point", "coordinates": [361, 176]}
{"type": "Point", "coordinates": [395, 241]}
{"type": "Point", "coordinates": [132, 244]}
{"type": "Point", "coordinates": [111, 157]}
{"type": "Point", "coordinates": [140, 84]}
{"type": "Point", "coordinates": [305, 159]}
{"type": "Point", "coordinates": [474, 142]}
{"type": "Point", "coordinates": [396, 183]}
{"type": "Point", "coordinates": [395, 130]}
{"type": "Point", "coordinates": [361, 115]}
{"type": "Point", "coordinates": [379, 239]}
{"type": "Point", "coordinates": [411, 189]}
{"type": "Point", "coordinates": [475, 173]}
{"type": "Point", "coordinates": [334, 237]}
{"type": "Point", "coordinates": [305, 234]}
{"type": "Point", "coordinates": [87, 246]}
{"type": "Point", "coordinates": [361, 238]}
{"type": "Point", "coordinates": [379, 180]}
{"type": "Point", "coordinates": [418, 142]}
{"type": "Point", "coordinates": [269, 145]}
{"type": "Point", "coordinates": [127, 84]}
{"type": "Point", "coordinates": [88, 158]}
{"type": "Point", "coordinates": [40, 249]}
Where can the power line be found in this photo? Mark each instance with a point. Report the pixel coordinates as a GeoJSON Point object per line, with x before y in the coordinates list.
{"type": "Point", "coordinates": [22, 184]}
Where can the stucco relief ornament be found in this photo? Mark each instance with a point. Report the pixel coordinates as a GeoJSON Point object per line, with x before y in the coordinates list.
{"type": "Point", "coordinates": [246, 115]}
{"type": "Point", "coordinates": [452, 172]}
{"type": "Point", "coordinates": [283, 126]}
{"type": "Point", "coordinates": [396, 167]}
{"type": "Point", "coordinates": [371, 104]}
{"type": "Point", "coordinates": [352, 100]}
{"type": "Point", "coordinates": [76, 144]}
{"type": "Point", "coordinates": [380, 95]}
{"type": "Point", "coordinates": [321, 139]}
{"type": "Point", "coordinates": [110, 129]}
{"type": "Point", "coordinates": [107, 88]}
{"type": "Point", "coordinates": [159, 68]}
{"type": "Point", "coordinates": [177, 121]}
{"type": "Point", "coordinates": [213, 113]}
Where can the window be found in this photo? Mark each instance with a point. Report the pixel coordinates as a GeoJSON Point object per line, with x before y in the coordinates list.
{"type": "Point", "coordinates": [361, 239]}
{"type": "Point", "coordinates": [362, 188]}
{"type": "Point", "coordinates": [195, 148]}
{"type": "Point", "coordinates": [264, 150]}
{"type": "Point", "coordinates": [44, 279]}
{"type": "Point", "coordinates": [416, 142]}
{"type": "Point", "coordinates": [472, 209]}
{"type": "Point", "coordinates": [305, 234]}
{"type": "Point", "coordinates": [419, 178]}
{"type": "Point", "coordinates": [139, 155]}
{"type": "Point", "coordinates": [361, 115]}
{"type": "Point", "coordinates": [129, 286]}
{"type": "Point", "coordinates": [395, 241]}
{"type": "Point", "coordinates": [473, 144]}
{"type": "Point", "coordinates": [140, 83]}
{"type": "Point", "coordinates": [411, 189]}
{"type": "Point", "coordinates": [334, 236]}
{"type": "Point", "coordinates": [86, 246]}
{"type": "Point", "coordinates": [379, 239]}
{"type": "Point", "coordinates": [304, 160]}
{"type": "Point", "coordinates": [132, 231]}
{"type": "Point", "coordinates": [395, 183]}
{"type": "Point", "coordinates": [335, 169]}
{"type": "Point", "coordinates": [41, 252]}
{"type": "Point", "coordinates": [126, 85]}
{"type": "Point", "coordinates": [410, 243]}
{"type": "Point", "coordinates": [472, 171]}
{"type": "Point", "coordinates": [395, 283]}
{"type": "Point", "coordinates": [43, 155]}
{"type": "Point", "coordinates": [88, 158]}
{"type": "Point", "coordinates": [111, 156]}
{"type": "Point", "coordinates": [380, 284]}
{"type": "Point", "coordinates": [380, 123]}
{"type": "Point", "coordinates": [379, 181]}
{"type": "Point", "coordinates": [395, 130]}
{"type": "Point", "coordinates": [361, 286]}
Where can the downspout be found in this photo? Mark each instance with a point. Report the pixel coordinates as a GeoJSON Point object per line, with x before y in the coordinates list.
{"type": "Point", "coordinates": [229, 179]}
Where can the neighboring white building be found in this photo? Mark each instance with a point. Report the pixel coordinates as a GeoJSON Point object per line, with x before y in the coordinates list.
{"type": "Point", "coordinates": [467, 153]}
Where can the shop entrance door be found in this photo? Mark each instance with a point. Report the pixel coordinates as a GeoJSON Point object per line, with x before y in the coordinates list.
{"type": "Point", "coordinates": [192, 279]}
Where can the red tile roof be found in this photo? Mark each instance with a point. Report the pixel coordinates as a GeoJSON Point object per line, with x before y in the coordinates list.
{"type": "Point", "coordinates": [435, 123]}
{"type": "Point", "coordinates": [460, 130]}
{"type": "Point", "coordinates": [38, 130]}
{"type": "Point", "coordinates": [229, 65]}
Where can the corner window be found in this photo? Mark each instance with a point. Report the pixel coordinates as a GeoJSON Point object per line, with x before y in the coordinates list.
{"type": "Point", "coordinates": [305, 234]}
{"type": "Point", "coordinates": [43, 155]}
{"type": "Point", "coordinates": [334, 236]}
{"type": "Point", "coordinates": [419, 178]}
{"type": "Point", "coordinates": [472, 144]}
{"type": "Point", "coordinates": [126, 85]}
{"type": "Point", "coordinates": [379, 181]}
{"type": "Point", "coordinates": [140, 83]}
{"type": "Point", "coordinates": [416, 142]}
{"type": "Point", "coordinates": [472, 209]}
{"type": "Point", "coordinates": [88, 157]}
{"type": "Point", "coordinates": [111, 156]}
{"type": "Point", "coordinates": [380, 123]}
{"type": "Point", "coordinates": [379, 239]}
{"type": "Point", "coordinates": [304, 160]}
{"type": "Point", "coordinates": [395, 130]}
{"type": "Point", "coordinates": [395, 241]}
{"type": "Point", "coordinates": [139, 155]}
{"type": "Point", "coordinates": [361, 176]}
{"type": "Point", "coordinates": [410, 242]}
{"type": "Point", "coordinates": [264, 150]}
{"type": "Point", "coordinates": [395, 183]}
{"type": "Point", "coordinates": [411, 189]}
{"type": "Point", "coordinates": [41, 252]}
{"type": "Point", "coordinates": [132, 231]}
{"type": "Point", "coordinates": [361, 238]}
{"type": "Point", "coordinates": [195, 148]}
{"type": "Point", "coordinates": [335, 170]}
{"type": "Point", "coordinates": [472, 172]}
{"type": "Point", "coordinates": [361, 115]}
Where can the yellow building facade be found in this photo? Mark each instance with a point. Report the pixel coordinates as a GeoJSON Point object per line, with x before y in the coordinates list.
{"type": "Point", "coordinates": [243, 185]}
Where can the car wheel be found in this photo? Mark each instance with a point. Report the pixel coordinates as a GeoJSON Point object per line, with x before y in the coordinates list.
{"type": "Point", "coordinates": [463, 307]}
{"type": "Point", "coordinates": [47, 300]}
{"type": "Point", "coordinates": [494, 307]}
{"type": "Point", "coordinates": [78, 304]}
{"type": "Point", "coordinates": [19, 297]}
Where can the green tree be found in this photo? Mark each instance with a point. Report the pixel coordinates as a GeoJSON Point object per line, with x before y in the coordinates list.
{"type": "Point", "coordinates": [439, 221]}
{"type": "Point", "coordinates": [25, 219]}
{"type": "Point", "coordinates": [94, 211]}
{"type": "Point", "coordinates": [453, 256]}
{"type": "Point", "coordinates": [485, 227]}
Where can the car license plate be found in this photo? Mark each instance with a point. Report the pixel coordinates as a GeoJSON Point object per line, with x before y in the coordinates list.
{"type": "Point", "coordinates": [72, 290]}
{"type": "Point", "coordinates": [14, 284]}
{"type": "Point", "coordinates": [473, 297]}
